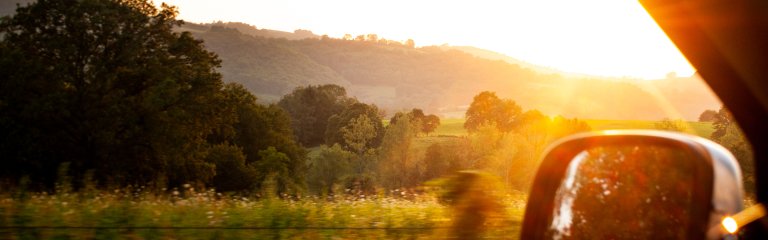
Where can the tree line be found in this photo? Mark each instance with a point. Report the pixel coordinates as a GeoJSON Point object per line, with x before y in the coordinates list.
{"type": "Point", "coordinates": [107, 92]}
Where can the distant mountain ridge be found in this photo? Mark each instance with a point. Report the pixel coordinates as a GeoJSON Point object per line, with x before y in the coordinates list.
{"type": "Point", "coordinates": [439, 79]}
{"type": "Point", "coordinates": [491, 55]}
{"type": "Point", "coordinates": [250, 30]}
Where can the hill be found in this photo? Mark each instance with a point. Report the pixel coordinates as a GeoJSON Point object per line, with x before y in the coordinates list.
{"type": "Point", "coordinates": [268, 67]}
{"type": "Point", "coordinates": [441, 79]}
{"type": "Point", "coordinates": [491, 55]}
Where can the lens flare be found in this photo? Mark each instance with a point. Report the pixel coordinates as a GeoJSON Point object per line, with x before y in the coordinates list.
{"type": "Point", "coordinates": [730, 225]}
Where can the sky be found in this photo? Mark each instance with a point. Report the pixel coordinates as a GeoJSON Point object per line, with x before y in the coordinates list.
{"type": "Point", "coordinates": [614, 38]}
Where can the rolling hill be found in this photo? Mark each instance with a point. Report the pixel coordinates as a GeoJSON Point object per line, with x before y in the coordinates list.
{"type": "Point", "coordinates": [437, 78]}
{"type": "Point", "coordinates": [440, 79]}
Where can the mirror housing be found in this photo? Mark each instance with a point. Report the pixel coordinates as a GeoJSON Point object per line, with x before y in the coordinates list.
{"type": "Point", "coordinates": [704, 173]}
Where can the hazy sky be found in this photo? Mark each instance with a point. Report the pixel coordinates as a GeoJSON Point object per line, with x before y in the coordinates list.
{"type": "Point", "coordinates": [601, 37]}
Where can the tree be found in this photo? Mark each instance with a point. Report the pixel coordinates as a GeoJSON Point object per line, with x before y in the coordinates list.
{"type": "Point", "coordinates": [430, 123]}
{"type": "Point", "coordinates": [359, 133]}
{"type": "Point", "coordinates": [707, 116]}
{"type": "Point", "coordinates": [671, 125]}
{"type": "Point", "coordinates": [232, 173]}
{"type": "Point", "coordinates": [426, 123]}
{"type": "Point", "coordinates": [410, 43]}
{"type": "Point", "coordinates": [310, 108]}
{"type": "Point", "coordinates": [106, 86]}
{"type": "Point", "coordinates": [488, 109]}
{"type": "Point", "coordinates": [723, 120]}
{"type": "Point", "coordinates": [257, 128]}
{"type": "Point", "coordinates": [330, 167]}
{"type": "Point", "coordinates": [276, 166]}
{"type": "Point", "coordinates": [334, 133]}
{"type": "Point", "coordinates": [728, 134]}
{"type": "Point", "coordinates": [435, 161]}
{"type": "Point", "coordinates": [397, 166]}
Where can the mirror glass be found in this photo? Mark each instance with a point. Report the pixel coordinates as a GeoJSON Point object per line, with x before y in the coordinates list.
{"type": "Point", "coordinates": [624, 192]}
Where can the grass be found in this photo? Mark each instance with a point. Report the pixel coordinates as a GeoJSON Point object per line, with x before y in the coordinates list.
{"type": "Point", "coordinates": [411, 216]}
{"type": "Point", "coordinates": [455, 126]}
{"type": "Point", "coordinates": [451, 127]}
{"type": "Point", "coordinates": [702, 129]}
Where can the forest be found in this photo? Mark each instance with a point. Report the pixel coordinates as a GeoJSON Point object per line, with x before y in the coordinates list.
{"type": "Point", "coordinates": [111, 117]}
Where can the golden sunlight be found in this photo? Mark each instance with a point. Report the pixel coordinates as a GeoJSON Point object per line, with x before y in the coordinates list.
{"type": "Point", "coordinates": [730, 225]}
{"type": "Point", "coordinates": [598, 37]}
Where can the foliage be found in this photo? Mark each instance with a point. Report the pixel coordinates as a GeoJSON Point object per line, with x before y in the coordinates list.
{"type": "Point", "coordinates": [268, 67]}
{"type": "Point", "coordinates": [276, 166]}
{"type": "Point", "coordinates": [105, 85]}
{"type": "Point", "coordinates": [398, 166]}
{"type": "Point", "coordinates": [723, 120]}
{"type": "Point", "coordinates": [106, 88]}
{"type": "Point", "coordinates": [335, 135]}
{"type": "Point", "coordinates": [408, 216]}
{"type": "Point", "coordinates": [426, 123]}
{"type": "Point", "coordinates": [358, 134]}
{"type": "Point", "coordinates": [329, 168]}
{"type": "Point", "coordinates": [232, 172]}
{"type": "Point", "coordinates": [260, 128]}
{"type": "Point", "coordinates": [488, 109]}
{"type": "Point", "coordinates": [707, 116]}
{"type": "Point", "coordinates": [671, 125]}
{"type": "Point", "coordinates": [436, 162]}
{"type": "Point", "coordinates": [728, 133]}
{"type": "Point", "coordinates": [430, 123]}
{"type": "Point", "coordinates": [310, 108]}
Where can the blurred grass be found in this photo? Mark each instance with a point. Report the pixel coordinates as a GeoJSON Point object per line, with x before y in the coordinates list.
{"type": "Point", "coordinates": [426, 218]}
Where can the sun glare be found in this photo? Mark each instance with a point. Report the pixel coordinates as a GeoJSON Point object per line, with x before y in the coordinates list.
{"type": "Point", "coordinates": [730, 225]}
{"type": "Point", "coordinates": [598, 37]}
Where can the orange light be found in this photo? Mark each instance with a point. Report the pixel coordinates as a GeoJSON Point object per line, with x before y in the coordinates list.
{"type": "Point", "coordinates": [730, 225]}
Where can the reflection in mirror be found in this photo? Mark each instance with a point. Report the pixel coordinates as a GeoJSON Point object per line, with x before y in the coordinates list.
{"type": "Point", "coordinates": [624, 192]}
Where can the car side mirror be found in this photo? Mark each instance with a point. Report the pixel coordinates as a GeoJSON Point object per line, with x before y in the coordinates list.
{"type": "Point", "coordinates": [637, 184]}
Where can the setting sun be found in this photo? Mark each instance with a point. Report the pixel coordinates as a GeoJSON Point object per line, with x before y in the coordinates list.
{"type": "Point", "coordinates": [598, 37]}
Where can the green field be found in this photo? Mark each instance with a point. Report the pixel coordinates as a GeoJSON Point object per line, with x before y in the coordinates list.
{"type": "Point", "coordinates": [455, 126]}
{"type": "Point", "coordinates": [451, 127]}
{"type": "Point", "coordinates": [703, 129]}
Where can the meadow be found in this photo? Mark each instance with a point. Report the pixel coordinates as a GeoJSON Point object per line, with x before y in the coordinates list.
{"type": "Point", "coordinates": [144, 214]}
{"type": "Point", "coordinates": [701, 129]}
{"type": "Point", "coordinates": [141, 213]}
{"type": "Point", "coordinates": [455, 126]}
